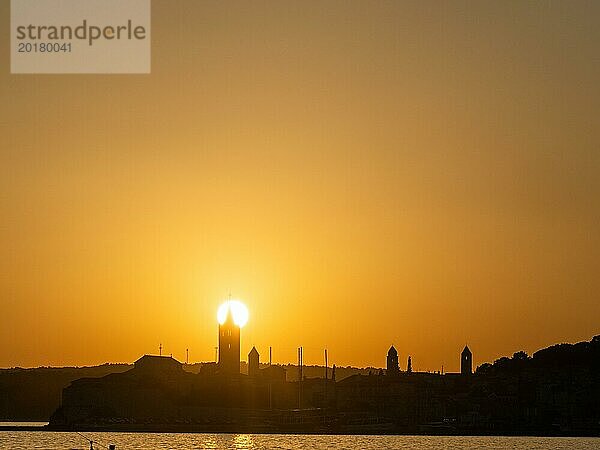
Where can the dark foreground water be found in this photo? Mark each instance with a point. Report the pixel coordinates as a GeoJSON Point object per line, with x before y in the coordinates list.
{"type": "Point", "coordinates": [141, 441]}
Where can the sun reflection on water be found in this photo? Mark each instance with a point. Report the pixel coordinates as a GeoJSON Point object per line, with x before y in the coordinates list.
{"type": "Point", "coordinates": [243, 441]}
{"type": "Point", "coordinates": [210, 443]}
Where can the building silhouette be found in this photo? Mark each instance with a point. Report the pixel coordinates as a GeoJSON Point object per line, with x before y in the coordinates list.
{"type": "Point", "coordinates": [392, 362]}
{"type": "Point", "coordinates": [229, 346]}
{"type": "Point", "coordinates": [466, 361]}
{"type": "Point", "coordinates": [157, 364]}
{"type": "Point", "coordinates": [521, 395]}
{"type": "Point", "coordinates": [253, 363]}
{"type": "Point", "coordinates": [409, 365]}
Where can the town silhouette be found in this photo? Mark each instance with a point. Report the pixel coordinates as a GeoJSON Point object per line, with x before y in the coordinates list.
{"type": "Point", "coordinates": [554, 392]}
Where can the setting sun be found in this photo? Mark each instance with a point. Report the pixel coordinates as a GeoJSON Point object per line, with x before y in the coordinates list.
{"type": "Point", "coordinates": [238, 311]}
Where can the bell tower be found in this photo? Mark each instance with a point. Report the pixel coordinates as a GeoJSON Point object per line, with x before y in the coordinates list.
{"type": "Point", "coordinates": [229, 346]}
{"type": "Point", "coordinates": [392, 362]}
{"type": "Point", "coordinates": [466, 361]}
{"type": "Point", "coordinates": [253, 363]}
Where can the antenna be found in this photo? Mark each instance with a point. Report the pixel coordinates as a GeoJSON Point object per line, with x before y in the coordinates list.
{"type": "Point", "coordinates": [270, 355]}
{"type": "Point", "coordinates": [160, 349]}
{"type": "Point", "coordinates": [187, 356]}
{"type": "Point", "coordinates": [326, 365]}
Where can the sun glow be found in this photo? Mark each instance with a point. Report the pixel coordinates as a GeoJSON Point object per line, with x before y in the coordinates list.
{"type": "Point", "coordinates": [238, 311]}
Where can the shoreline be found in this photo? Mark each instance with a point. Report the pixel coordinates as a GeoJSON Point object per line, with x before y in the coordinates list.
{"type": "Point", "coordinates": [240, 430]}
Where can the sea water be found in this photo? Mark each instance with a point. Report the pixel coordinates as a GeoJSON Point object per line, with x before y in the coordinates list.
{"type": "Point", "coordinates": [27, 440]}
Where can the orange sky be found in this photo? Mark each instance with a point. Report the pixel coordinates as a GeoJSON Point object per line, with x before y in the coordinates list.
{"type": "Point", "coordinates": [359, 173]}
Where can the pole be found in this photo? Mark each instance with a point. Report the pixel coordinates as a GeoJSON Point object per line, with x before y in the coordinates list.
{"type": "Point", "coordinates": [299, 375]}
{"type": "Point", "coordinates": [270, 378]}
{"type": "Point", "coordinates": [301, 362]}
{"type": "Point", "coordinates": [326, 365]}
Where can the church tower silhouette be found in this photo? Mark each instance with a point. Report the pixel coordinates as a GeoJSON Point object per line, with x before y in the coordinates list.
{"type": "Point", "coordinates": [392, 362]}
{"type": "Point", "coordinates": [229, 346]}
{"type": "Point", "coordinates": [253, 363]}
{"type": "Point", "coordinates": [466, 361]}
